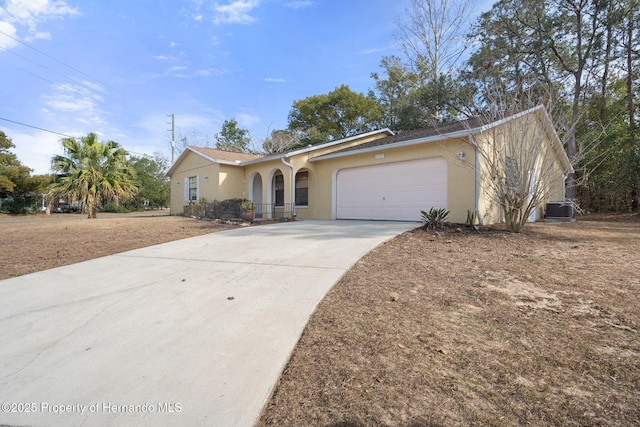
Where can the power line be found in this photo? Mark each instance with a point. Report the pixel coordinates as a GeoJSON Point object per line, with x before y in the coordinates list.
{"type": "Point", "coordinates": [36, 127]}
{"type": "Point", "coordinates": [43, 53]}
{"type": "Point", "coordinates": [56, 60]}
{"type": "Point", "coordinates": [45, 67]}
{"type": "Point", "coordinates": [66, 135]}
{"type": "Point", "coordinates": [39, 77]}
{"type": "Point", "coordinates": [54, 83]}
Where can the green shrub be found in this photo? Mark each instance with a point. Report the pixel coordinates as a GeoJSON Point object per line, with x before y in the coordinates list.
{"type": "Point", "coordinates": [435, 218]}
{"type": "Point", "coordinates": [247, 205]}
{"type": "Point", "coordinates": [115, 208]}
{"type": "Point", "coordinates": [18, 205]}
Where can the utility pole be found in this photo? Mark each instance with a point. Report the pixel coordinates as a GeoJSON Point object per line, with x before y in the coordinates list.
{"type": "Point", "coordinates": [173, 137]}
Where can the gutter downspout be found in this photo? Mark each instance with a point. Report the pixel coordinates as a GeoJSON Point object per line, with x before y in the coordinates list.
{"type": "Point", "coordinates": [293, 186]}
{"type": "Point", "coordinates": [473, 143]}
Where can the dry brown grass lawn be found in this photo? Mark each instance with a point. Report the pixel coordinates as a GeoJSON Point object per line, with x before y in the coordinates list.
{"type": "Point", "coordinates": [492, 329]}
{"type": "Point", "coordinates": [538, 328]}
{"type": "Point", "coordinates": [39, 242]}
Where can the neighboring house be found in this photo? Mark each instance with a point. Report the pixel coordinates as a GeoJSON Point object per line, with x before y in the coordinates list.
{"type": "Point", "coordinates": [378, 175]}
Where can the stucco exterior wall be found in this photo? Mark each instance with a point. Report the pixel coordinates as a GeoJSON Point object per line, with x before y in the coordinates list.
{"type": "Point", "coordinates": [267, 169]}
{"type": "Point", "coordinates": [232, 183]}
{"type": "Point", "coordinates": [468, 173]}
{"type": "Point", "coordinates": [488, 209]}
{"type": "Point", "coordinates": [460, 179]}
{"type": "Point", "coordinates": [530, 143]}
{"type": "Point", "coordinates": [194, 165]}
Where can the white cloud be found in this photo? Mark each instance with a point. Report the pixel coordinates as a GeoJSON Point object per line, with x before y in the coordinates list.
{"type": "Point", "coordinates": [32, 13]}
{"type": "Point", "coordinates": [247, 120]}
{"type": "Point", "coordinates": [274, 80]}
{"type": "Point", "coordinates": [300, 4]}
{"type": "Point", "coordinates": [177, 68]}
{"type": "Point", "coordinates": [81, 102]}
{"type": "Point", "coordinates": [35, 149]}
{"type": "Point", "coordinates": [67, 103]}
{"type": "Point", "coordinates": [183, 72]}
{"type": "Point", "coordinates": [92, 87]}
{"type": "Point", "coordinates": [236, 12]}
{"type": "Point", "coordinates": [42, 35]}
{"type": "Point", "coordinates": [173, 44]}
{"type": "Point", "coordinates": [371, 51]}
{"type": "Point", "coordinates": [7, 42]}
{"type": "Point", "coordinates": [37, 9]}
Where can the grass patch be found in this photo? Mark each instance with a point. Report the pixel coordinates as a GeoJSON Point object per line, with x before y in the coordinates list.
{"type": "Point", "coordinates": [415, 336]}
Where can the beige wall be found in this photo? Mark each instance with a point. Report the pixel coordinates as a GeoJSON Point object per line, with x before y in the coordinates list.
{"type": "Point", "coordinates": [232, 183]}
{"type": "Point", "coordinates": [194, 165]}
{"type": "Point", "coordinates": [529, 141]}
{"type": "Point", "coordinates": [228, 181]}
{"type": "Point", "coordinates": [267, 169]}
{"type": "Point", "coordinates": [460, 180]}
{"type": "Point", "coordinates": [460, 184]}
{"type": "Point", "coordinates": [488, 208]}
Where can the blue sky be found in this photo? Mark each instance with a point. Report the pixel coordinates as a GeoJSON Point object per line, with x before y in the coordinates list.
{"type": "Point", "coordinates": [121, 67]}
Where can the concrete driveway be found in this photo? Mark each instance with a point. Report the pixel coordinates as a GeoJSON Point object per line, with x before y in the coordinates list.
{"type": "Point", "coordinates": [189, 333]}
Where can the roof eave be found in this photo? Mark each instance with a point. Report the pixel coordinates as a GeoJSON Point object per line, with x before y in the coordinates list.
{"type": "Point", "coordinates": [556, 140]}
{"type": "Point", "coordinates": [425, 140]}
{"type": "Point", "coordinates": [262, 159]}
{"type": "Point", "coordinates": [178, 160]}
{"type": "Point", "coordinates": [317, 147]}
{"type": "Point", "coordinates": [209, 158]}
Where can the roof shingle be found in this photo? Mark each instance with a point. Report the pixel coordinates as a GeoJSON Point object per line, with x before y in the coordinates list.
{"type": "Point", "coordinates": [410, 135]}
{"type": "Point", "coordinates": [228, 156]}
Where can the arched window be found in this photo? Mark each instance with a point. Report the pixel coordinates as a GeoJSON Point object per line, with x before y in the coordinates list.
{"type": "Point", "coordinates": [278, 188]}
{"type": "Point", "coordinates": [302, 188]}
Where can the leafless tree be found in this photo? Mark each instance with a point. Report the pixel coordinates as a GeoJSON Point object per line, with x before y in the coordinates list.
{"type": "Point", "coordinates": [193, 136]}
{"type": "Point", "coordinates": [519, 163]}
{"type": "Point", "coordinates": [281, 141]}
{"type": "Point", "coordinates": [431, 35]}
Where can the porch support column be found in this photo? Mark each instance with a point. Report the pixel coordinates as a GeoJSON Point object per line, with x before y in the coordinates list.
{"type": "Point", "coordinates": [293, 185]}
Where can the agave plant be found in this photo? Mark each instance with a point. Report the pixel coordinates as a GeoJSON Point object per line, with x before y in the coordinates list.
{"type": "Point", "coordinates": [434, 218]}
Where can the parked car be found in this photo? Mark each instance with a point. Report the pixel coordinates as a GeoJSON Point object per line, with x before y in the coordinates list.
{"type": "Point", "coordinates": [64, 208]}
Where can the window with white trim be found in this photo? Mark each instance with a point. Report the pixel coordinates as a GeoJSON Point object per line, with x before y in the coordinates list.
{"type": "Point", "coordinates": [191, 189]}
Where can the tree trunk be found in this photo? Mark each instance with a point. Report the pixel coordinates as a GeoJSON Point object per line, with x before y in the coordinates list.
{"type": "Point", "coordinates": [91, 208]}
{"type": "Point", "coordinates": [630, 103]}
{"type": "Point", "coordinates": [570, 185]}
{"type": "Point", "coordinates": [607, 60]}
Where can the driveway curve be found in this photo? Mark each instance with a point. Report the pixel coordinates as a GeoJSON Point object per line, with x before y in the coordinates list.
{"type": "Point", "coordinates": [191, 332]}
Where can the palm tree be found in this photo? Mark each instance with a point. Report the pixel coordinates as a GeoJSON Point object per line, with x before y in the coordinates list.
{"type": "Point", "coordinates": [93, 172]}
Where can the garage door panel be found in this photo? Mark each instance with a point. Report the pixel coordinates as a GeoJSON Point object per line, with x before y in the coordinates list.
{"type": "Point", "coordinates": [392, 191]}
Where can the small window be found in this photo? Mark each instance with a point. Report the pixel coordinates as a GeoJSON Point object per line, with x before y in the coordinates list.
{"type": "Point", "coordinates": [302, 188]}
{"type": "Point", "coordinates": [192, 189]}
{"type": "Point", "coordinates": [279, 189]}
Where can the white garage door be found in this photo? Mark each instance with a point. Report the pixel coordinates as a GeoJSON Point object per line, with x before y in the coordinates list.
{"type": "Point", "coordinates": [392, 191]}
